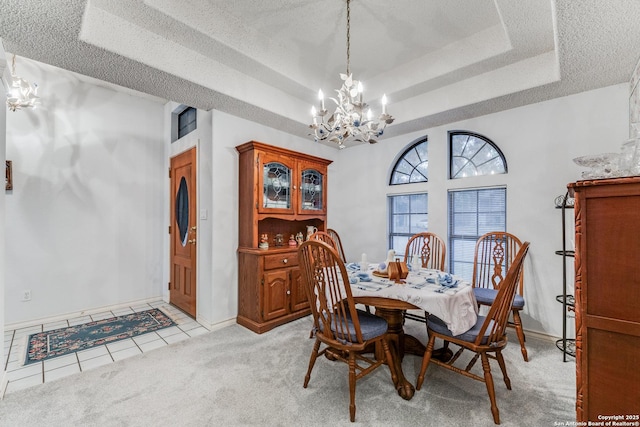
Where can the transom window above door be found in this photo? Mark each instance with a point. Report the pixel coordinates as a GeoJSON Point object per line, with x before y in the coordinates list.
{"type": "Point", "coordinates": [472, 154]}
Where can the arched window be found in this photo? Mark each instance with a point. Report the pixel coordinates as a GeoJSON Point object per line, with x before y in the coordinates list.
{"type": "Point", "coordinates": [412, 165]}
{"type": "Point", "coordinates": [471, 154]}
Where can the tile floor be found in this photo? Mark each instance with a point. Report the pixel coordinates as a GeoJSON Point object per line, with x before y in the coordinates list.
{"type": "Point", "coordinates": [20, 376]}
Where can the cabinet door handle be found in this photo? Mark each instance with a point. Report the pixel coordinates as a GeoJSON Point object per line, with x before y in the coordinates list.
{"type": "Point", "coordinates": [288, 292]}
{"type": "Point", "coordinates": [284, 261]}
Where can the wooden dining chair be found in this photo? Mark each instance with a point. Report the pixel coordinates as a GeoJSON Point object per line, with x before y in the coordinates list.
{"type": "Point", "coordinates": [324, 237]}
{"type": "Point", "coordinates": [339, 248]}
{"type": "Point", "coordinates": [486, 338]}
{"type": "Point", "coordinates": [494, 254]}
{"type": "Point", "coordinates": [345, 331]}
{"type": "Point", "coordinates": [336, 238]}
{"type": "Point", "coordinates": [431, 251]}
{"type": "Point", "coordinates": [429, 248]}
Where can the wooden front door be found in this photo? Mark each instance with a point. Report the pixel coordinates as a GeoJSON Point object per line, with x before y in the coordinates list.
{"type": "Point", "coordinates": [183, 232]}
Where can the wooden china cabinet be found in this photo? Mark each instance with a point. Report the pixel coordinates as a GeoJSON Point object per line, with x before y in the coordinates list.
{"type": "Point", "coordinates": [607, 298]}
{"type": "Point", "coordinates": [282, 192]}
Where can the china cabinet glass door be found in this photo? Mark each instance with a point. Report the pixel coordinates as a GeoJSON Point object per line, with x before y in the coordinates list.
{"type": "Point", "coordinates": [277, 186]}
{"type": "Point", "coordinates": [311, 191]}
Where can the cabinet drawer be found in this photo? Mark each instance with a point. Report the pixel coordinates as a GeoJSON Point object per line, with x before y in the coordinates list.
{"type": "Point", "coordinates": [280, 260]}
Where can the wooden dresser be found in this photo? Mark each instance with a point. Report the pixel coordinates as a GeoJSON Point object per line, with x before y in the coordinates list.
{"type": "Point", "coordinates": [607, 263]}
{"type": "Point", "coordinates": [282, 193]}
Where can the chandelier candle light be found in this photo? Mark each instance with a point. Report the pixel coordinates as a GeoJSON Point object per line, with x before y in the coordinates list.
{"type": "Point", "coordinates": [20, 93]}
{"type": "Point", "coordinates": [352, 119]}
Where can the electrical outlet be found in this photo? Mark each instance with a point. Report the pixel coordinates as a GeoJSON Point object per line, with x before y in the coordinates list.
{"type": "Point", "coordinates": [26, 295]}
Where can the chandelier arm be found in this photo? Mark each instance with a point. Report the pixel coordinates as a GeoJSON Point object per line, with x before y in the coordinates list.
{"type": "Point", "coordinates": [348, 37]}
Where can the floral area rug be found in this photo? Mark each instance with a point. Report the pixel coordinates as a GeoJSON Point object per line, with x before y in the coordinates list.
{"type": "Point", "coordinates": [58, 342]}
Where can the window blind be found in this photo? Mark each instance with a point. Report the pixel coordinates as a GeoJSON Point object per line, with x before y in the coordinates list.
{"type": "Point", "coordinates": [408, 215]}
{"type": "Point", "coordinates": [473, 213]}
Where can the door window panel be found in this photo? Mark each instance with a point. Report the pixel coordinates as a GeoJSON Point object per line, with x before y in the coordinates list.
{"type": "Point", "coordinates": [182, 210]}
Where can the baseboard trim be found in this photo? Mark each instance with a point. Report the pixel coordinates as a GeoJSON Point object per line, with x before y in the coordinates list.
{"type": "Point", "coordinates": [535, 334]}
{"type": "Point", "coordinates": [217, 325]}
{"type": "Point", "coordinates": [58, 318]}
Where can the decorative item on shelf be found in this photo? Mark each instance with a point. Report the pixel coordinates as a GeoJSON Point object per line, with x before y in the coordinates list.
{"type": "Point", "coordinates": [292, 241]}
{"type": "Point", "coordinates": [352, 119]}
{"type": "Point", "coordinates": [614, 165]}
{"type": "Point", "coordinates": [279, 240]}
{"type": "Point", "coordinates": [398, 271]}
{"type": "Point", "coordinates": [264, 241]}
{"type": "Point", "coordinates": [310, 230]}
{"type": "Point", "coordinates": [604, 165]}
{"type": "Point", "coordinates": [300, 238]}
{"type": "Point", "coordinates": [20, 93]}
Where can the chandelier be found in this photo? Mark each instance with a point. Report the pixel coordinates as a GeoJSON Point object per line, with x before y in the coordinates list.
{"type": "Point", "coordinates": [352, 119]}
{"type": "Point", "coordinates": [20, 93]}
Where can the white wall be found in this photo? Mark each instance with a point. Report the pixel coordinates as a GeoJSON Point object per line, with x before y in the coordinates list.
{"type": "Point", "coordinates": [539, 142]}
{"type": "Point", "coordinates": [228, 132]}
{"type": "Point", "coordinates": [4, 76]}
{"type": "Point", "coordinates": [84, 221]}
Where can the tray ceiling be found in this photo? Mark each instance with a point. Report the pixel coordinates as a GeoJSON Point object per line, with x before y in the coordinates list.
{"type": "Point", "coordinates": [436, 61]}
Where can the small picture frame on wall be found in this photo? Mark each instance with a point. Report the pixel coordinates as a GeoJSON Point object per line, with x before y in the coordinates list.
{"type": "Point", "coordinates": [9, 176]}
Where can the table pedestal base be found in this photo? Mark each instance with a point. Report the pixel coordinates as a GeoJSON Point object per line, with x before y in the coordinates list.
{"type": "Point", "coordinates": [401, 344]}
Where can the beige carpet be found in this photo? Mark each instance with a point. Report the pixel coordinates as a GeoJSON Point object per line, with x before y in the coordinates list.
{"type": "Point", "coordinates": [233, 377]}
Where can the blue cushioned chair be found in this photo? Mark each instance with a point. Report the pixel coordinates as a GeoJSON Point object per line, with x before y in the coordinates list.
{"type": "Point", "coordinates": [486, 339]}
{"type": "Point", "coordinates": [345, 331]}
{"type": "Point", "coordinates": [494, 254]}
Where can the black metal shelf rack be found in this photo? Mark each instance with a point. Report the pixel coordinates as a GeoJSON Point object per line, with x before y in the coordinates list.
{"type": "Point", "coordinates": [566, 345]}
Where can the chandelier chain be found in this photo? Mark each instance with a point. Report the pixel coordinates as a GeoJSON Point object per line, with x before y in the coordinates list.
{"type": "Point", "coordinates": [348, 35]}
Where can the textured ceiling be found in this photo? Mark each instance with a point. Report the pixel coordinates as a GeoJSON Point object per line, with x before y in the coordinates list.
{"type": "Point", "coordinates": [436, 61]}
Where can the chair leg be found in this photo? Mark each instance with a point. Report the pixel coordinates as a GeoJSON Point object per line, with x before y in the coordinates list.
{"type": "Point", "coordinates": [312, 361]}
{"type": "Point", "coordinates": [503, 368]}
{"type": "Point", "coordinates": [488, 380]}
{"type": "Point", "coordinates": [352, 386]}
{"type": "Point", "coordinates": [425, 361]}
{"type": "Point", "coordinates": [518, 325]}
